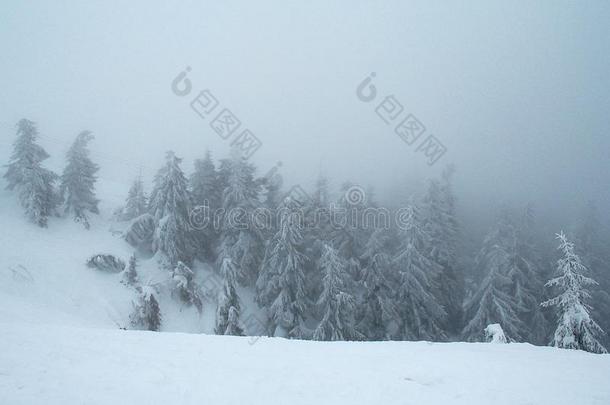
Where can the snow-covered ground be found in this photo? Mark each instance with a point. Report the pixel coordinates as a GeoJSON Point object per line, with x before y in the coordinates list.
{"type": "Point", "coordinates": [60, 343]}
{"type": "Point", "coordinates": [44, 364]}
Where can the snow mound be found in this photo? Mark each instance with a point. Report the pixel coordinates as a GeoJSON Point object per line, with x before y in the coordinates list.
{"type": "Point", "coordinates": [495, 334]}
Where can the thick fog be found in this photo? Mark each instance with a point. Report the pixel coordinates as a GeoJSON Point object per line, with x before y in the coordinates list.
{"type": "Point", "coordinates": [517, 93]}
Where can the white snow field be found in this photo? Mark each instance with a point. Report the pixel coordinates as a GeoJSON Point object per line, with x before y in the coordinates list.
{"type": "Point", "coordinates": [45, 364]}
{"type": "Point", "coordinates": [60, 343]}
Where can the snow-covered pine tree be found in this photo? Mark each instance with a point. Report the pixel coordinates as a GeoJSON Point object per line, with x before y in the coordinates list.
{"type": "Point", "coordinates": [317, 210]}
{"type": "Point", "coordinates": [378, 316]}
{"type": "Point", "coordinates": [272, 189]}
{"type": "Point", "coordinates": [593, 247]}
{"type": "Point", "coordinates": [206, 195]}
{"type": "Point", "coordinates": [170, 204]}
{"type": "Point", "coordinates": [316, 233]}
{"type": "Point", "coordinates": [494, 301]}
{"type": "Point", "coordinates": [130, 274]}
{"type": "Point", "coordinates": [146, 313]}
{"type": "Point", "coordinates": [77, 186]}
{"type": "Point", "coordinates": [204, 182]}
{"type": "Point", "coordinates": [348, 232]}
{"type": "Point", "coordinates": [526, 274]}
{"type": "Point", "coordinates": [224, 171]}
{"type": "Point", "coordinates": [421, 314]}
{"type": "Point", "coordinates": [229, 307]}
{"type": "Point", "coordinates": [136, 203]}
{"type": "Point", "coordinates": [575, 327]}
{"type": "Point", "coordinates": [337, 304]}
{"type": "Point", "coordinates": [321, 194]}
{"type": "Point", "coordinates": [34, 184]}
{"type": "Point", "coordinates": [281, 282]}
{"type": "Point", "coordinates": [241, 237]}
{"type": "Point", "coordinates": [234, 327]}
{"type": "Point", "coordinates": [441, 225]}
{"type": "Point", "coordinates": [185, 287]}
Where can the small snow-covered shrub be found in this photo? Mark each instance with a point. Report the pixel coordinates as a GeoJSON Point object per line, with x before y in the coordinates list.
{"type": "Point", "coordinates": [146, 313]}
{"type": "Point", "coordinates": [141, 231]}
{"type": "Point", "coordinates": [108, 263]}
{"type": "Point", "coordinates": [495, 334]}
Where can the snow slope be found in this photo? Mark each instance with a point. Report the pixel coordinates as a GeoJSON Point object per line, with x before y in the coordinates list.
{"type": "Point", "coordinates": [69, 365]}
{"type": "Point", "coordinates": [60, 344]}
{"type": "Point", "coordinates": [43, 276]}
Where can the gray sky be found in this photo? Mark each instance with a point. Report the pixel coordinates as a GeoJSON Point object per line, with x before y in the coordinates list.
{"type": "Point", "coordinates": [518, 93]}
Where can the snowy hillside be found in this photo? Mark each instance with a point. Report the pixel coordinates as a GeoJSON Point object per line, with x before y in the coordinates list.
{"type": "Point", "coordinates": [61, 344]}
{"type": "Point", "coordinates": [44, 279]}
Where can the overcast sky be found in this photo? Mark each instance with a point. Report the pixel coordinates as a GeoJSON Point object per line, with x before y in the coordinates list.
{"type": "Point", "coordinates": [518, 92]}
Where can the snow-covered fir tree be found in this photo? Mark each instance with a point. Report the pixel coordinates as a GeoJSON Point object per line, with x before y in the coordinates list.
{"type": "Point", "coordinates": [229, 307]}
{"type": "Point", "coordinates": [527, 274]}
{"type": "Point", "coordinates": [271, 185]}
{"type": "Point", "coordinates": [336, 303]}
{"type": "Point", "coordinates": [575, 327]}
{"type": "Point", "coordinates": [241, 236]}
{"type": "Point", "coordinates": [234, 327]}
{"type": "Point", "coordinates": [511, 272]}
{"type": "Point", "coordinates": [441, 225]}
{"type": "Point", "coordinates": [378, 316]}
{"type": "Point", "coordinates": [25, 174]}
{"type": "Point", "coordinates": [318, 208]}
{"type": "Point", "coordinates": [170, 205]}
{"type": "Point", "coordinates": [204, 182]}
{"type": "Point", "coordinates": [77, 186]}
{"type": "Point", "coordinates": [421, 315]}
{"type": "Point", "coordinates": [321, 193]}
{"type": "Point", "coordinates": [593, 247]}
{"type": "Point", "coordinates": [316, 233]}
{"type": "Point", "coordinates": [136, 203]}
{"type": "Point", "coordinates": [130, 275]}
{"type": "Point", "coordinates": [281, 282]}
{"type": "Point", "coordinates": [206, 198]}
{"type": "Point", "coordinates": [146, 313]}
{"type": "Point", "coordinates": [494, 301]}
{"type": "Point", "coordinates": [185, 287]}
{"type": "Point", "coordinates": [348, 231]}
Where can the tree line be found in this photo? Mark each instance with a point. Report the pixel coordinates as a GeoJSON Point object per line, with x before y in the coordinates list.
{"type": "Point", "coordinates": [315, 280]}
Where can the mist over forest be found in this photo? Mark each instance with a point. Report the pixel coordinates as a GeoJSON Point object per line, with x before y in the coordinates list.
{"type": "Point", "coordinates": [379, 174]}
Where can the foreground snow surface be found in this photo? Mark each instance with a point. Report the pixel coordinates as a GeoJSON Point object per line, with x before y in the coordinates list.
{"type": "Point", "coordinates": [43, 364]}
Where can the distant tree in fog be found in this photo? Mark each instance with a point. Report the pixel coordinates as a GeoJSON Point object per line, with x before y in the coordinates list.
{"type": "Point", "coordinates": [77, 186]}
